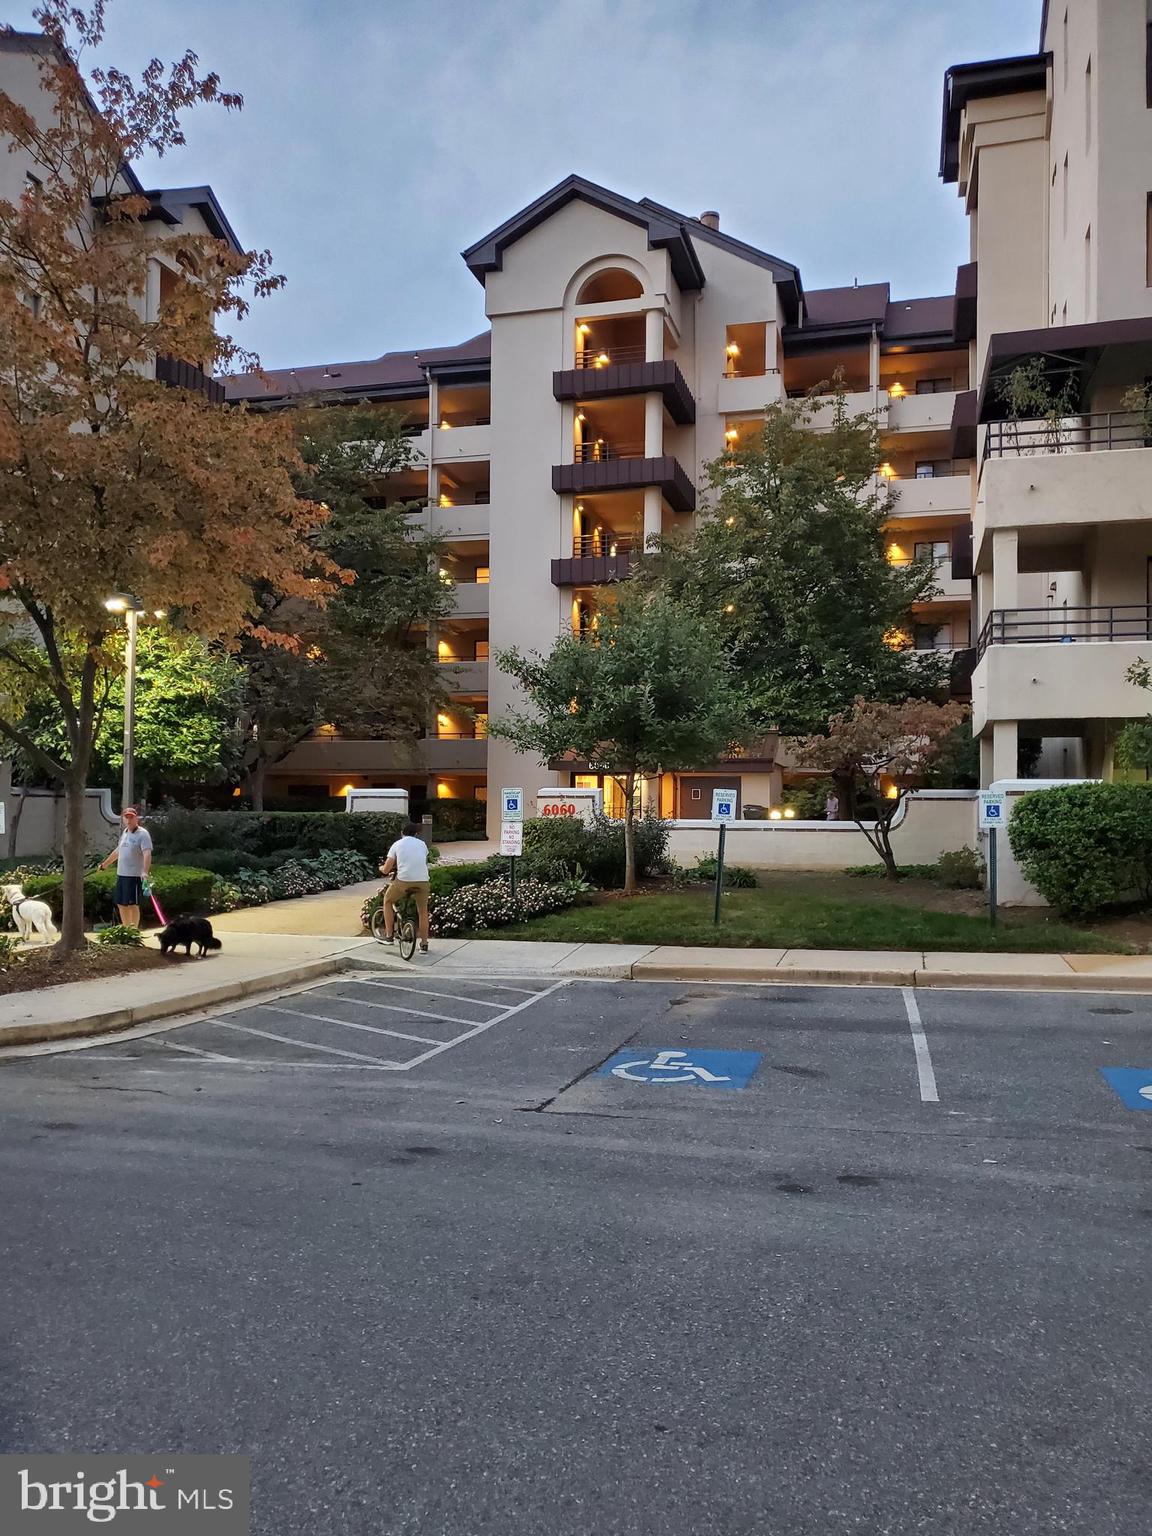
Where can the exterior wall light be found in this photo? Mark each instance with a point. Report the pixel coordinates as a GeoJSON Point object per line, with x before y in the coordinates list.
{"type": "Point", "coordinates": [731, 435]}
{"type": "Point", "coordinates": [775, 815]}
{"type": "Point", "coordinates": [732, 349]}
{"type": "Point", "coordinates": [583, 328]}
{"type": "Point", "coordinates": [896, 390]}
{"type": "Point", "coordinates": [602, 360]}
{"type": "Point", "coordinates": [789, 813]}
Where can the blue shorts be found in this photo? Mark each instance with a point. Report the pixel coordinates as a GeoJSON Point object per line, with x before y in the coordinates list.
{"type": "Point", "coordinates": [128, 891]}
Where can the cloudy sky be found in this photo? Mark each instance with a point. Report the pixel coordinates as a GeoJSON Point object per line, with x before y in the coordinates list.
{"type": "Point", "coordinates": [381, 137]}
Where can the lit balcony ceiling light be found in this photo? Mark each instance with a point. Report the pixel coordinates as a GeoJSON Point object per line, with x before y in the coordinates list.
{"type": "Point", "coordinates": [583, 328]}
{"type": "Point", "coordinates": [887, 471]}
{"type": "Point", "coordinates": [602, 359]}
{"type": "Point", "coordinates": [731, 435]}
{"type": "Point", "coordinates": [732, 349]}
{"type": "Point", "coordinates": [789, 813]}
{"type": "Point", "coordinates": [443, 720]}
{"type": "Point", "coordinates": [897, 390]}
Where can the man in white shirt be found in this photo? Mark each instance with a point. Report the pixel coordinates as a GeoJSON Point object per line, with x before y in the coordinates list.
{"type": "Point", "coordinates": [133, 855]}
{"type": "Point", "coordinates": [407, 863]}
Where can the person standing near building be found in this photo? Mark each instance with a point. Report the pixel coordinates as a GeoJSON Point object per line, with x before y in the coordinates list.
{"type": "Point", "coordinates": [133, 855]}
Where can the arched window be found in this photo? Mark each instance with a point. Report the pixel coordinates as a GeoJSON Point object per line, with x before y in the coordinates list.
{"type": "Point", "coordinates": [609, 286]}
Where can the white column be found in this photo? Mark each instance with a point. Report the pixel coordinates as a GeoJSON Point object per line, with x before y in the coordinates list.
{"type": "Point", "coordinates": [986, 771]}
{"type": "Point", "coordinates": [152, 293]}
{"type": "Point", "coordinates": [653, 512]}
{"type": "Point", "coordinates": [653, 426]}
{"type": "Point", "coordinates": [1005, 568]}
{"type": "Point", "coordinates": [1004, 749]}
{"type": "Point", "coordinates": [874, 362]}
{"type": "Point", "coordinates": [653, 335]}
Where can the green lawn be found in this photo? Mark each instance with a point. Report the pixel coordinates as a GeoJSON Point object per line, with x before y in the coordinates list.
{"type": "Point", "coordinates": [786, 915]}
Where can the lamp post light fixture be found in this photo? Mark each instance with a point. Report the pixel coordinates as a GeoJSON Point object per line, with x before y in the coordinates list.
{"type": "Point", "coordinates": [131, 607]}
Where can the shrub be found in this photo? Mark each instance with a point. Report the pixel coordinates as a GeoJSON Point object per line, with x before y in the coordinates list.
{"type": "Point", "coordinates": [488, 904]}
{"type": "Point", "coordinates": [294, 877]}
{"type": "Point", "coordinates": [555, 846]}
{"type": "Point", "coordinates": [264, 834]}
{"type": "Point", "coordinates": [9, 955]}
{"type": "Point", "coordinates": [735, 875]}
{"type": "Point", "coordinates": [461, 819]}
{"type": "Point", "coordinates": [907, 871]}
{"type": "Point", "coordinates": [961, 870]}
{"type": "Point", "coordinates": [1085, 846]}
{"type": "Point", "coordinates": [180, 889]}
{"type": "Point", "coordinates": [120, 936]}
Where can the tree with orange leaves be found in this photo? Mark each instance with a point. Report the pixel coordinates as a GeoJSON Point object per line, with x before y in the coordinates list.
{"type": "Point", "coordinates": [110, 481]}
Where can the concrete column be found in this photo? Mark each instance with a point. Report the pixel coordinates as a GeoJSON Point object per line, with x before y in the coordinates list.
{"type": "Point", "coordinates": [433, 402]}
{"type": "Point", "coordinates": [986, 773]}
{"type": "Point", "coordinates": [653, 512]}
{"type": "Point", "coordinates": [1005, 747]}
{"type": "Point", "coordinates": [152, 293]}
{"type": "Point", "coordinates": [1005, 568]}
{"type": "Point", "coordinates": [874, 362]}
{"type": "Point", "coordinates": [653, 426]}
{"type": "Point", "coordinates": [653, 335]}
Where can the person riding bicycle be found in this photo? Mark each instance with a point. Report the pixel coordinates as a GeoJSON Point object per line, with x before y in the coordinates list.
{"type": "Point", "coordinates": [407, 863]}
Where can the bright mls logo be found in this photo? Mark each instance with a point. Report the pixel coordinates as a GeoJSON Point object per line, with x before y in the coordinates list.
{"type": "Point", "coordinates": [59, 1495]}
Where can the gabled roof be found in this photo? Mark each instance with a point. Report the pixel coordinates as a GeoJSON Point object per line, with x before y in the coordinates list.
{"type": "Point", "coordinates": [170, 203]}
{"type": "Point", "coordinates": [905, 319]}
{"type": "Point", "coordinates": [847, 316]}
{"type": "Point", "coordinates": [394, 375]}
{"type": "Point", "coordinates": [665, 231]}
{"type": "Point", "coordinates": [784, 273]}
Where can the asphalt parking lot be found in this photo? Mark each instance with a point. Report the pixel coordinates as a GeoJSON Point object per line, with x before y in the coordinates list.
{"type": "Point", "coordinates": [512, 1255]}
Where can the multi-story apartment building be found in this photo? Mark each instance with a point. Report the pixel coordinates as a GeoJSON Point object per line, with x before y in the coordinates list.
{"type": "Point", "coordinates": [1052, 154]}
{"type": "Point", "coordinates": [186, 210]}
{"type": "Point", "coordinates": [629, 343]}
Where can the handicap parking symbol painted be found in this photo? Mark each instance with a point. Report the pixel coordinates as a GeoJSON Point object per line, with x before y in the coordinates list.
{"type": "Point", "coordinates": [708, 1069]}
{"type": "Point", "coordinates": [1133, 1084]}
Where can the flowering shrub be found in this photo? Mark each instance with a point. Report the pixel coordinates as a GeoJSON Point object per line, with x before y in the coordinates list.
{"type": "Point", "coordinates": [489, 905]}
{"type": "Point", "coordinates": [295, 877]}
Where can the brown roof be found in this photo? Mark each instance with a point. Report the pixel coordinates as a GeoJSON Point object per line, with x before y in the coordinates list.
{"type": "Point", "coordinates": [392, 374]}
{"type": "Point", "coordinates": [861, 304]}
{"type": "Point", "coordinates": [918, 317]}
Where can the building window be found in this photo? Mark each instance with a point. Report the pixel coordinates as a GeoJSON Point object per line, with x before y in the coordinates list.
{"type": "Point", "coordinates": [483, 575]}
{"type": "Point", "coordinates": [1088, 105]}
{"type": "Point", "coordinates": [930, 469]}
{"type": "Point", "coordinates": [481, 650]}
{"type": "Point", "coordinates": [935, 386]}
{"type": "Point", "coordinates": [932, 637]}
{"type": "Point", "coordinates": [936, 550]}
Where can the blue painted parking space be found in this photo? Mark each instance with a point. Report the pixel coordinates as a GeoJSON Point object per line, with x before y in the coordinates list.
{"type": "Point", "coordinates": [683, 1068]}
{"type": "Point", "coordinates": [1132, 1084]}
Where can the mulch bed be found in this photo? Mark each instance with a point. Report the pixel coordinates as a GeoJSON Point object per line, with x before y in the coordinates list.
{"type": "Point", "coordinates": [43, 968]}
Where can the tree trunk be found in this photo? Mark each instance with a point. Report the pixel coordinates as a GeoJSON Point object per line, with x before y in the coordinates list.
{"type": "Point", "coordinates": [845, 786]}
{"type": "Point", "coordinates": [75, 847]}
{"type": "Point", "coordinates": [254, 784]}
{"type": "Point", "coordinates": [14, 829]}
{"type": "Point", "coordinates": [883, 841]}
{"type": "Point", "coordinates": [630, 834]}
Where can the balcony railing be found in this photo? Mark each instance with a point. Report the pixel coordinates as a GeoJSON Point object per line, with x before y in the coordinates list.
{"type": "Point", "coordinates": [603, 357]}
{"type": "Point", "coordinates": [178, 374]}
{"type": "Point", "coordinates": [604, 543]}
{"type": "Point", "coordinates": [1099, 432]}
{"type": "Point", "coordinates": [600, 452]}
{"type": "Point", "coordinates": [1065, 626]}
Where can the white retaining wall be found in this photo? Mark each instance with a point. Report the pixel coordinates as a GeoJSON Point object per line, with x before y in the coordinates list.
{"type": "Point", "coordinates": [929, 823]}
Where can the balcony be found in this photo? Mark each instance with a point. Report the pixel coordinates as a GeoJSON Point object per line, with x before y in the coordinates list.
{"type": "Point", "coordinates": [448, 754]}
{"type": "Point", "coordinates": [180, 375]}
{"type": "Point", "coordinates": [470, 442]}
{"type": "Point", "coordinates": [1084, 471]}
{"type": "Point", "coordinates": [459, 522]}
{"type": "Point", "coordinates": [921, 413]}
{"type": "Point", "coordinates": [931, 494]}
{"type": "Point", "coordinates": [596, 559]}
{"type": "Point", "coordinates": [465, 677]}
{"type": "Point", "coordinates": [740, 393]}
{"type": "Point", "coordinates": [1060, 666]}
{"type": "Point", "coordinates": [471, 599]}
{"type": "Point", "coordinates": [342, 755]}
{"type": "Point", "coordinates": [626, 374]}
{"type": "Point", "coordinates": [623, 467]}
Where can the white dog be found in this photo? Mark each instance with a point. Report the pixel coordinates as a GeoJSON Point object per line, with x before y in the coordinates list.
{"type": "Point", "coordinates": [30, 912]}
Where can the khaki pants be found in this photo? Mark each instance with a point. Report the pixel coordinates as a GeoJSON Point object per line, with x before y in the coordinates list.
{"type": "Point", "coordinates": [396, 893]}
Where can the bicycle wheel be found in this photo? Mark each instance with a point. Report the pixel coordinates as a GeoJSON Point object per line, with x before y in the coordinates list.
{"type": "Point", "coordinates": [378, 925]}
{"type": "Point", "coordinates": [406, 936]}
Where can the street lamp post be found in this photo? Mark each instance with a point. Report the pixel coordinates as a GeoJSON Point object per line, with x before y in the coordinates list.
{"type": "Point", "coordinates": [131, 607]}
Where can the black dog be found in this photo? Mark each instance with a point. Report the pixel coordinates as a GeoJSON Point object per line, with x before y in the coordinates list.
{"type": "Point", "coordinates": [189, 931]}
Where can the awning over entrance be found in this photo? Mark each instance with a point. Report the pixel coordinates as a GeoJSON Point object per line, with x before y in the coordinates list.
{"type": "Point", "coordinates": [1068, 351]}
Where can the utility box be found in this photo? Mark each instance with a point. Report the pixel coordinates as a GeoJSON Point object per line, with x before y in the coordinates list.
{"type": "Point", "coordinates": [392, 800]}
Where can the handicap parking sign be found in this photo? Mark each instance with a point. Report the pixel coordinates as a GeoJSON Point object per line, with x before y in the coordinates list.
{"type": "Point", "coordinates": [701, 1069]}
{"type": "Point", "coordinates": [1133, 1084]}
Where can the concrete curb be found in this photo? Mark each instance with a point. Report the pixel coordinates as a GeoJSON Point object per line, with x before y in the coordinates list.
{"type": "Point", "coordinates": [112, 1020]}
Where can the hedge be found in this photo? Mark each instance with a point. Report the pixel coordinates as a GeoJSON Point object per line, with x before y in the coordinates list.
{"type": "Point", "coordinates": [180, 889]}
{"type": "Point", "coordinates": [262, 834]}
{"type": "Point", "coordinates": [557, 847]}
{"type": "Point", "coordinates": [1085, 846]}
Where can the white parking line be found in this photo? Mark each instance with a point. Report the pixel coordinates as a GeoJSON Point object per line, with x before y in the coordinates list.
{"type": "Point", "coordinates": [479, 1029]}
{"type": "Point", "coordinates": [928, 1093]}
{"type": "Point", "coordinates": [329, 1050]}
{"type": "Point", "coordinates": [418, 1013]}
{"type": "Point", "coordinates": [192, 1050]}
{"type": "Point", "coordinates": [324, 1018]}
{"type": "Point", "coordinates": [390, 986]}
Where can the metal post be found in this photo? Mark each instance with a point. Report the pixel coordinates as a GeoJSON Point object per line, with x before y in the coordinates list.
{"type": "Point", "coordinates": [127, 782]}
{"type": "Point", "coordinates": [992, 876]}
{"type": "Point", "coordinates": [719, 873]}
{"type": "Point", "coordinates": [512, 876]}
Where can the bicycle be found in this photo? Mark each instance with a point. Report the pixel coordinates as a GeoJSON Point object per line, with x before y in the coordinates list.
{"type": "Point", "coordinates": [404, 929]}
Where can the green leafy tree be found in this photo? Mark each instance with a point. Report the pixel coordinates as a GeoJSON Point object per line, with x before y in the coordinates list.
{"type": "Point", "coordinates": [188, 695]}
{"type": "Point", "coordinates": [1134, 744]}
{"type": "Point", "coordinates": [641, 693]}
{"type": "Point", "coordinates": [789, 559]}
{"type": "Point", "coordinates": [361, 661]}
{"type": "Point", "coordinates": [888, 748]}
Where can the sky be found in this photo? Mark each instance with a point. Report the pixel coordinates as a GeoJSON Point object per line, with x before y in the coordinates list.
{"type": "Point", "coordinates": [379, 138]}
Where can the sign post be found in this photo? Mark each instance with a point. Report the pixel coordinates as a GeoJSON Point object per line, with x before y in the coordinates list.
{"type": "Point", "coordinates": [993, 815]}
{"type": "Point", "coordinates": [512, 831]}
{"type": "Point", "coordinates": [723, 811]}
